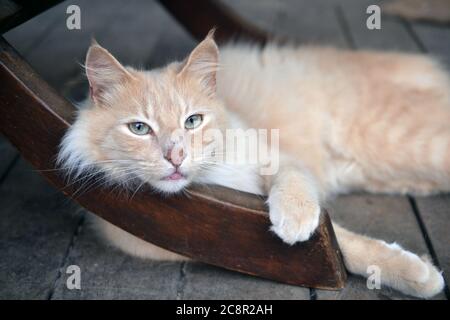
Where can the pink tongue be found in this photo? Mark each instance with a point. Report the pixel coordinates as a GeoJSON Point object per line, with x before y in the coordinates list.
{"type": "Point", "coordinates": [175, 176]}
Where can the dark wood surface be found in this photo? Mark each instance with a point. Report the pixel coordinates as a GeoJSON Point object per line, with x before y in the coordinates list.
{"type": "Point", "coordinates": [32, 213]}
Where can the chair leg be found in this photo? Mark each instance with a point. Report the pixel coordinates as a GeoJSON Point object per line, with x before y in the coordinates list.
{"type": "Point", "coordinates": [200, 16]}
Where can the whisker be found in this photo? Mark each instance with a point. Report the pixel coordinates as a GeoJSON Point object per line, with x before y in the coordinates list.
{"type": "Point", "coordinates": [102, 181]}
{"type": "Point", "coordinates": [137, 189]}
{"type": "Point", "coordinates": [87, 165]}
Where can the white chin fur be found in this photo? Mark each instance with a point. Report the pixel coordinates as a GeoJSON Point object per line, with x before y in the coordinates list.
{"type": "Point", "coordinates": [170, 186]}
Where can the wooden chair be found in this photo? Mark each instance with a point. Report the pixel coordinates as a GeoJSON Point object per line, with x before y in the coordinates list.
{"type": "Point", "coordinates": [215, 225]}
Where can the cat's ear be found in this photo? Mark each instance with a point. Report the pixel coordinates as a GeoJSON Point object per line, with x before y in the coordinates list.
{"type": "Point", "coordinates": [104, 72]}
{"type": "Point", "coordinates": [203, 63]}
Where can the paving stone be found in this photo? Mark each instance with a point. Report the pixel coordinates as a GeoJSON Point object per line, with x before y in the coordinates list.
{"type": "Point", "coordinates": [435, 212]}
{"type": "Point", "coordinates": [202, 281]}
{"type": "Point", "coordinates": [108, 273]}
{"type": "Point", "coordinates": [36, 226]}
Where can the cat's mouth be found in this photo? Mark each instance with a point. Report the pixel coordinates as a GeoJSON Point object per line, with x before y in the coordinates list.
{"type": "Point", "coordinates": [175, 176]}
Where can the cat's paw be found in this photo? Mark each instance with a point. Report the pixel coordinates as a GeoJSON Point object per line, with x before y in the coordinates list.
{"type": "Point", "coordinates": [294, 219]}
{"type": "Point", "coordinates": [421, 278]}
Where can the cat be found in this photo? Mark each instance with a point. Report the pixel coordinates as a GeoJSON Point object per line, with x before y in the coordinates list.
{"type": "Point", "coordinates": [347, 120]}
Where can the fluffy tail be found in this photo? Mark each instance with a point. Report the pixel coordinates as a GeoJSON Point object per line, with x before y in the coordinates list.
{"type": "Point", "coordinates": [396, 267]}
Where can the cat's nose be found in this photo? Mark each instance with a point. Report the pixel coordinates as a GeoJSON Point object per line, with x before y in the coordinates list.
{"type": "Point", "coordinates": [175, 156]}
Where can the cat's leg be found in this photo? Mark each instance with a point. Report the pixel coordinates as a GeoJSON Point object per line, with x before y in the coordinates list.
{"type": "Point", "coordinates": [399, 268]}
{"type": "Point", "coordinates": [293, 204]}
{"type": "Point", "coordinates": [129, 243]}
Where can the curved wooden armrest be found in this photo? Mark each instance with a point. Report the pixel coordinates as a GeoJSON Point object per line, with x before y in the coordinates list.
{"type": "Point", "coordinates": [220, 226]}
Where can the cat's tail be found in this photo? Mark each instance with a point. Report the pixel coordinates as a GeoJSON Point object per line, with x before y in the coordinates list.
{"type": "Point", "coordinates": [389, 264]}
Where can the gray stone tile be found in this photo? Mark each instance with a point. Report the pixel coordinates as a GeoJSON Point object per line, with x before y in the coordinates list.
{"type": "Point", "coordinates": [435, 215]}
{"type": "Point", "coordinates": [107, 273]}
{"type": "Point", "coordinates": [201, 281]}
{"type": "Point", "coordinates": [36, 226]}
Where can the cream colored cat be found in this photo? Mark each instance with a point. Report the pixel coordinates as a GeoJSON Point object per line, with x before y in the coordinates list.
{"type": "Point", "coordinates": [372, 121]}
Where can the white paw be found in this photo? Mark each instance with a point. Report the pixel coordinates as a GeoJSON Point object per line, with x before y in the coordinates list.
{"type": "Point", "coordinates": [294, 219]}
{"type": "Point", "coordinates": [412, 274]}
{"type": "Point", "coordinates": [427, 282]}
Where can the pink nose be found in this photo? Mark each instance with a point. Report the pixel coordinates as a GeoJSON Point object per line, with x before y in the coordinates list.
{"type": "Point", "coordinates": [175, 156]}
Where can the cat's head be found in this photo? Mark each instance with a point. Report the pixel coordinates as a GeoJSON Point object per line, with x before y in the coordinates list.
{"type": "Point", "coordinates": [147, 126]}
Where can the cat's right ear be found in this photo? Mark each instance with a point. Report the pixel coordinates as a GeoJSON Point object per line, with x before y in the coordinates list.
{"type": "Point", "coordinates": [104, 72]}
{"type": "Point", "coordinates": [203, 63]}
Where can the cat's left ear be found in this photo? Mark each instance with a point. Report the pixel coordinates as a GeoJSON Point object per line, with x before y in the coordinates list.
{"type": "Point", "coordinates": [202, 63]}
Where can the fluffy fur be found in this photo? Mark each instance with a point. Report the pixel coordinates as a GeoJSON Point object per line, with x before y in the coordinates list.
{"type": "Point", "coordinates": [348, 120]}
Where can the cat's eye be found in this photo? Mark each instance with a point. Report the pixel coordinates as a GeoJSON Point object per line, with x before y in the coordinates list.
{"type": "Point", "coordinates": [139, 128]}
{"type": "Point", "coordinates": [193, 121]}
